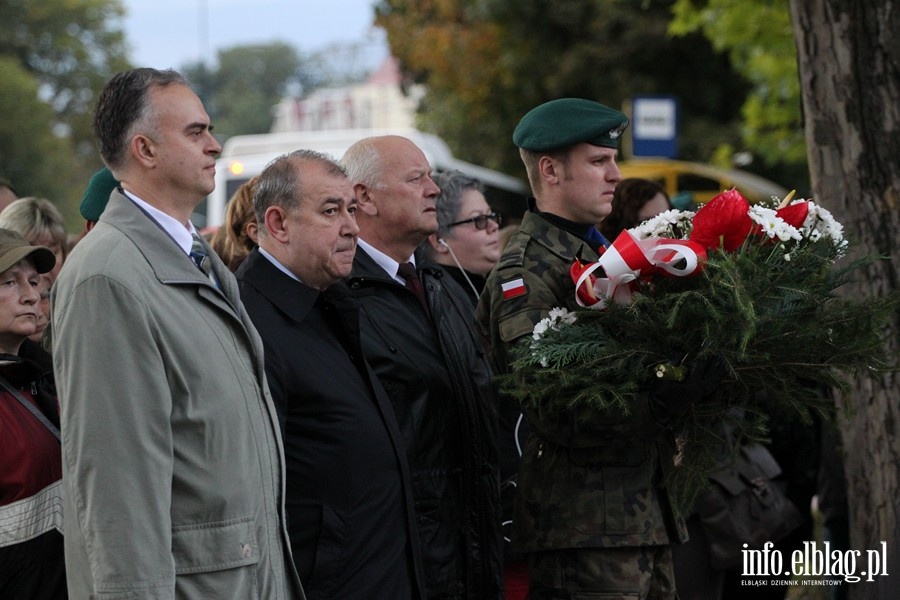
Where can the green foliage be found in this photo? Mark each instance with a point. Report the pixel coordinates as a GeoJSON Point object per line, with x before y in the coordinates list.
{"type": "Point", "coordinates": [239, 93]}
{"type": "Point", "coordinates": [770, 314]}
{"type": "Point", "coordinates": [70, 46]}
{"type": "Point", "coordinates": [759, 40]}
{"type": "Point", "coordinates": [242, 89]}
{"type": "Point", "coordinates": [57, 55]}
{"type": "Point", "coordinates": [487, 63]}
{"type": "Point", "coordinates": [32, 157]}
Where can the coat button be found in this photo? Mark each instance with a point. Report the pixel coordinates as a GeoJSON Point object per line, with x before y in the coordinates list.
{"type": "Point", "coordinates": [246, 550]}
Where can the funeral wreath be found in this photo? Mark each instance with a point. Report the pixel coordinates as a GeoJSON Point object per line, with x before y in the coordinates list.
{"type": "Point", "coordinates": [751, 288]}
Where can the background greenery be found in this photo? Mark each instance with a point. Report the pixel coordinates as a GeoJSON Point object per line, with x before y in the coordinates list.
{"type": "Point", "coordinates": [55, 57]}
{"type": "Point", "coordinates": [731, 63]}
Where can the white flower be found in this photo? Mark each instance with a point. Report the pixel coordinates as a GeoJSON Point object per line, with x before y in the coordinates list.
{"type": "Point", "coordinates": [557, 317]}
{"type": "Point", "coordinates": [539, 329]}
{"type": "Point", "coordinates": [561, 316]}
{"type": "Point", "coordinates": [664, 224]}
{"type": "Point", "coordinates": [843, 246]}
{"type": "Point", "coordinates": [773, 225]}
{"type": "Point", "coordinates": [820, 223]}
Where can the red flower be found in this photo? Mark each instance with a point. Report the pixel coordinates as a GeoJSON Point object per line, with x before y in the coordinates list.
{"type": "Point", "coordinates": [723, 222]}
{"type": "Point", "coordinates": [794, 214]}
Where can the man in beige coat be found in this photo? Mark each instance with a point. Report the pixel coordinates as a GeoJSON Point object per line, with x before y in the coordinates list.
{"type": "Point", "coordinates": [172, 460]}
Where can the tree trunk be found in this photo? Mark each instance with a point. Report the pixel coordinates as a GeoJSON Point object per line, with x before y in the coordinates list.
{"type": "Point", "coordinates": [849, 62]}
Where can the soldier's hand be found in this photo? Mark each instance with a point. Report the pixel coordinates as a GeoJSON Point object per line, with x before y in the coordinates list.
{"type": "Point", "coordinates": [671, 399]}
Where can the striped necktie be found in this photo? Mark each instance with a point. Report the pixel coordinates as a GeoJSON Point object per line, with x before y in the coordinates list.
{"type": "Point", "coordinates": [200, 257]}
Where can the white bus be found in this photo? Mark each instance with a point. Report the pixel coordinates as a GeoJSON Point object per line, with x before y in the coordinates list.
{"type": "Point", "coordinates": [244, 156]}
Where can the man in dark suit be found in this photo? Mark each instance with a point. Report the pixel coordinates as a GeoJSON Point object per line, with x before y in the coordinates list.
{"type": "Point", "coordinates": [349, 500]}
{"type": "Point", "coordinates": [416, 326]}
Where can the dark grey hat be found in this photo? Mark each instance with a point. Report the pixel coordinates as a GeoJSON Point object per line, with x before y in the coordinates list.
{"type": "Point", "coordinates": [568, 121]}
{"type": "Point", "coordinates": [14, 248]}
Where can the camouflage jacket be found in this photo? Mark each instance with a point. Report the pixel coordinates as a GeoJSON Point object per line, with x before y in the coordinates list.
{"type": "Point", "coordinates": [588, 480]}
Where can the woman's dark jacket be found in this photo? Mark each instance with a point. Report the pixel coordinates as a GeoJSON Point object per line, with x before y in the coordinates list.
{"type": "Point", "coordinates": [460, 277]}
{"type": "Point", "coordinates": [440, 385]}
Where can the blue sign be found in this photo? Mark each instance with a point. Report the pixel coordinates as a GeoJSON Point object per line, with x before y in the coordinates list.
{"type": "Point", "coordinates": [654, 129]}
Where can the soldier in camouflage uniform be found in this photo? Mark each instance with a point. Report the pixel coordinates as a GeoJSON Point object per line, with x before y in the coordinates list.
{"type": "Point", "coordinates": [591, 515]}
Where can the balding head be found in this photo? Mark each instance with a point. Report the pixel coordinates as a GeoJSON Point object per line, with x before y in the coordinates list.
{"type": "Point", "coordinates": [392, 183]}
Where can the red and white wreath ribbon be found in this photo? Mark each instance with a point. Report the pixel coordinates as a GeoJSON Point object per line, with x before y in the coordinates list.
{"type": "Point", "coordinates": [629, 259]}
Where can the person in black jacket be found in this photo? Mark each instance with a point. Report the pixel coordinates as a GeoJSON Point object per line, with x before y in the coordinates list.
{"type": "Point", "coordinates": [417, 335]}
{"type": "Point", "coordinates": [349, 497]}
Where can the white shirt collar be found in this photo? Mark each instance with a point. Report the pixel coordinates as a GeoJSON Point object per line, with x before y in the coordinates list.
{"type": "Point", "coordinates": [182, 235]}
{"type": "Point", "coordinates": [278, 264]}
{"type": "Point", "coordinates": [384, 261]}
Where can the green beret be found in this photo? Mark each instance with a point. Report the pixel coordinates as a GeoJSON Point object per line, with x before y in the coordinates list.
{"type": "Point", "coordinates": [568, 121]}
{"type": "Point", "coordinates": [96, 195]}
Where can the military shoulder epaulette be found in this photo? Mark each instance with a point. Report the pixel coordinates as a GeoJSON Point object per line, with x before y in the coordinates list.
{"type": "Point", "coordinates": [514, 253]}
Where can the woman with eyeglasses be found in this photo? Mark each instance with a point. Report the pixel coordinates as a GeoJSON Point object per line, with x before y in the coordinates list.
{"type": "Point", "coordinates": [467, 242]}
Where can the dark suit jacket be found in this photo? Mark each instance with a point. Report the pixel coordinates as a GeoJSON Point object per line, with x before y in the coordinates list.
{"type": "Point", "coordinates": [440, 385]}
{"type": "Point", "coordinates": [349, 501]}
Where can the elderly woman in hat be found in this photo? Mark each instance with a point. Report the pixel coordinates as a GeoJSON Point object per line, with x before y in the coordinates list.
{"type": "Point", "coordinates": [31, 544]}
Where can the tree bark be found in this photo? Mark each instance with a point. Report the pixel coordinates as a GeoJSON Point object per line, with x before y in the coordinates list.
{"type": "Point", "coordinates": [849, 62]}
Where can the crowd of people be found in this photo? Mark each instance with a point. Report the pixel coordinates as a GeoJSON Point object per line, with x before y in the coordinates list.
{"type": "Point", "coordinates": [306, 405]}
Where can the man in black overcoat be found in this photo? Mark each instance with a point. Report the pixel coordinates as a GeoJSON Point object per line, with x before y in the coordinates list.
{"type": "Point", "coordinates": [349, 498]}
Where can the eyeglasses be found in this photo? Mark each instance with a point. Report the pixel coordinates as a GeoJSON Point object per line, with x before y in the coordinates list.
{"type": "Point", "coordinates": [480, 221]}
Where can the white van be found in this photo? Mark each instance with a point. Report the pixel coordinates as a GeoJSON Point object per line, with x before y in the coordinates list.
{"type": "Point", "coordinates": [244, 156]}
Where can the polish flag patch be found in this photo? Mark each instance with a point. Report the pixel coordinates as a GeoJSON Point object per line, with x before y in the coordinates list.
{"type": "Point", "coordinates": [513, 289]}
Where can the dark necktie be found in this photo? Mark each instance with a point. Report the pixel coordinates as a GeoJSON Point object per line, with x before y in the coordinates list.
{"type": "Point", "coordinates": [408, 272]}
{"type": "Point", "coordinates": [200, 257]}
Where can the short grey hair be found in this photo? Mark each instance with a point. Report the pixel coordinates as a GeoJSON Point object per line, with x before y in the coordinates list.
{"type": "Point", "coordinates": [124, 108]}
{"type": "Point", "coordinates": [281, 182]}
{"type": "Point", "coordinates": [454, 184]}
{"type": "Point", "coordinates": [364, 163]}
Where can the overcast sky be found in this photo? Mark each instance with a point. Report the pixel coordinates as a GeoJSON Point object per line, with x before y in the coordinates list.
{"type": "Point", "coordinates": [170, 33]}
